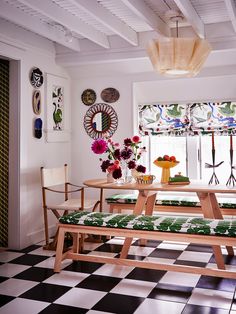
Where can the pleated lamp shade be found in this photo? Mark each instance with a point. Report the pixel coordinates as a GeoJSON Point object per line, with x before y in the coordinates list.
{"type": "Point", "coordinates": [178, 57]}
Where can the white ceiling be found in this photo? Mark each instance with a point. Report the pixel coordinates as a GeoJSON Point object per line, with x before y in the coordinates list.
{"type": "Point", "coordinates": [89, 31]}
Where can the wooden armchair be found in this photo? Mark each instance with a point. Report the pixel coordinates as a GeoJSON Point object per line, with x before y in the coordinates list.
{"type": "Point", "coordinates": [55, 181]}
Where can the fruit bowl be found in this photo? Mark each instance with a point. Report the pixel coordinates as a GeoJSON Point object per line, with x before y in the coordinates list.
{"type": "Point", "coordinates": [165, 165]}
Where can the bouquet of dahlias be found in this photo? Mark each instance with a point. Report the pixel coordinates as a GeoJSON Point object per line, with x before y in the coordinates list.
{"type": "Point", "coordinates": [129, 153]}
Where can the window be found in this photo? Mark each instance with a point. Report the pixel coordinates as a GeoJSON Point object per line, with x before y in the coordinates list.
{"type": "Point", "coordinates": [193, 152]}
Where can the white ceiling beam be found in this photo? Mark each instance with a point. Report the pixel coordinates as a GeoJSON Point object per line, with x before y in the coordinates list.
{"type": "Point", "coordinates": [192, 17]}
{"type": "Point", "coordinates": [145, 13]}
{"type": "Point", "coordinates": [23, 19]}
{"type": "Point", "coordinates": [61, 16]}
{"type": "Point", "coordinates": [231, 8]}
{"type": "Point", "coordinates": [103, 16]}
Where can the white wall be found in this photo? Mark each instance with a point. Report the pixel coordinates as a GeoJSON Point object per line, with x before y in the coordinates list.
{"type": "Point", "coordinates": [34, 153]}
{"type": "Point", "coordinates": [133, 91]}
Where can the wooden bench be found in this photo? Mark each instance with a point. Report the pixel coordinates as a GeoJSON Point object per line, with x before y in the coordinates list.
{"type": "Point", "coordinates": [184, 229]}
{"type": "Point", "coordinates": [164, 203]}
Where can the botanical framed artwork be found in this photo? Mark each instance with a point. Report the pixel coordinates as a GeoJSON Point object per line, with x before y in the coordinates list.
{"type": "Point", "coordinates": [57, 109]}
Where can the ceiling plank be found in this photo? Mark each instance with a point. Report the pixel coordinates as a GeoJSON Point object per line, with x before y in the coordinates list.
{"type": "Point", "coordinates": [231, 8]}
{"type": "Point", "coordinates": [28, 22]}
{"type": "Point", "coordinates": [103, 16]}
{"type": "Point", "coordinates": [192, 17]}
{"type": "Point", "coordinates": [145, 13]}
{"type": "Point", "coordinates": [61, 16]}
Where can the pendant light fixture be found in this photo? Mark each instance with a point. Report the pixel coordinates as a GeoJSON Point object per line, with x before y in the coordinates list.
{"type": "Point", "coordinates": [178, 57]}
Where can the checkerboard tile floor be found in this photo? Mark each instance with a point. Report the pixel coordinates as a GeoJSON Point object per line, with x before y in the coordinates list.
{"type": "Point", "coordinates": [28, 284]}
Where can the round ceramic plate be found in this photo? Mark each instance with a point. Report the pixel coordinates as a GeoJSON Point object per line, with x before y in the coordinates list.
{"type": "Point", "coordinates": [88, 97]}
{"type": "Point", "coordinates": [36, 77]}
{"type": "Point", "coordinates": [37, 102]}
{"type": "Point", "coordinates": [110, 95]}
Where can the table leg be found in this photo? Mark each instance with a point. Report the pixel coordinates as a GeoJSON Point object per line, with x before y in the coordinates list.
{"type": "Point", "coordinates": [218, 215]}
{"type": "Point", "coordinates": [139, 206]}
{"type": "Point", "coordinates": [208, 212]}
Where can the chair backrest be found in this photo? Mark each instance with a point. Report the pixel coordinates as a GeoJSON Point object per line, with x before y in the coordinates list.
{"type": "Point", "coordinates": [54, 176]}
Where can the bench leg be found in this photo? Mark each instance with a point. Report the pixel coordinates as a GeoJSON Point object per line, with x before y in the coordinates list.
{"type": "Point", "coordinates": [59, 251]}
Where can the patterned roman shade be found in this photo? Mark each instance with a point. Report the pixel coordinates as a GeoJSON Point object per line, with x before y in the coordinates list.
{"type": "Point", "coordinates": [191, 119]}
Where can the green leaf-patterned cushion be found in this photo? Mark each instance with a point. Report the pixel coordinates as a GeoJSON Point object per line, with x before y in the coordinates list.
{"type": "Point", "coordinates": [194, 225]}
{"type": "Point", "coordinates": [188, 201]}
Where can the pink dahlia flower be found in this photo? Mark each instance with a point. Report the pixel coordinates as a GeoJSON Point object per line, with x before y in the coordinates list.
{"type": "Point", "coordinates": [99, 146]}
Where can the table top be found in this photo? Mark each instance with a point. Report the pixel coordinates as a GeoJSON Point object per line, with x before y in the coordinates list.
{"type": "Point", "coordinates": [192, 187]}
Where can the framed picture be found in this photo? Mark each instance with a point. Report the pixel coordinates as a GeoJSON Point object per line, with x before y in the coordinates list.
{"type": "Point", "coordinates": [57, 109]}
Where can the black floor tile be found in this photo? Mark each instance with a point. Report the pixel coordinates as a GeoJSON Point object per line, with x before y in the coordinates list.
{"type": "Point", "coordinates": [162, 253]}
{"type": "Point", "coordinates": [150, 243]}
{"type": "Point", "coordinates": [133, 257]}
{"type": "Point", "coordinates": [83, 267]}
{"type": "Point", "coordinates": [118, 303]}
{"type": "Point", "coordinates": [3, 279]}
{"type": "Point", "coordinates": [197, 309]}
{"type": "Point", "coordinates": [199, 248]}
{"type": "Point", "coordinates": [111, 248]}
{"type": "Point", "coordinates": [229, 260]}
{"type": "Point", "coordinates": [216, 283]}
{"type": "Point", "coordinates": [4, 299]}
{"type": "Point", "coordinates": [30, 248]}
{"type": "Point", "coordinates": [190, 263]}
{"type": "Point", "coordinates": [35, 274]}
{"type": "Point", "coordinates": [29, 259]}
{"type": "Point", "coordinates": [101, 283]}
{"type": "Point", "coordinates": [146, 274]}
{"type": "Point", "coordinates": [62, 309]}
{"type": "Point", "coordinates": [171, 293]}
{"type": "Point", "coordinates": [45, 292]}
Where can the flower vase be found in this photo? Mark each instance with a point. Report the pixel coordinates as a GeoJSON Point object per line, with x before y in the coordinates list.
{"type": "Point", "coordinates": [126, 174]}
{"type": "Point", "coordinates": [110, 178]}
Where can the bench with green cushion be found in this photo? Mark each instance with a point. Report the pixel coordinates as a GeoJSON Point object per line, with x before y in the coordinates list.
{"type": "Point", "coordinates": [193, 225]}
{"type": "Point", "coordinates": [118, 200]}
{"type": "Point", "coordinates": [197, 230]}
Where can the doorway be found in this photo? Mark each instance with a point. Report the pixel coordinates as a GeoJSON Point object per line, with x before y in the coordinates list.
{"type": "Point", "coordinates": [4, 151]}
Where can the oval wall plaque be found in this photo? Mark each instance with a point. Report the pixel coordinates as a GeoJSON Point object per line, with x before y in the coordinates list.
{"type": "Point", "coordinates": [110, 95]}
{"type": "Point", "coordinates": [37, 102]}
{"type": "Point", "coordinates": [88, 97]}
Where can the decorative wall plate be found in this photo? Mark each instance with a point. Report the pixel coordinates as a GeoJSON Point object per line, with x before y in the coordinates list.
{"type": "Point", "coordinates": [110, 95]}
{"type": "Point", "coordinates": [37, 102]}
{"type": "Point", "coordinates": [38, 124]}
{"type": "Point", "coordinates": [100, 120]}
{"type": "Point", "coordinates": [36, 77]}
{"type": "Point", "coordinates": [88, 97]}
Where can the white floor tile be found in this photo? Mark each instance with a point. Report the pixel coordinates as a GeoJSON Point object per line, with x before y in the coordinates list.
{"type": "Point", "coordinates": [232, 312]}
{"type": "Point", "coordinates": [137, 288]}
{"type": "Point", "coordinates": [113, 271]}
{"type": "Point", "coordinates": [84, 298]}
{"type": "Point", "coordinates": [150, 306]}
{"type": "Point", "coordinates": [98, 253]}
{"type": "Point", "coordinates": [172, 246]}
{"type": "Point", "coordinates": [67, 278]}
{"type": "Point", "coordinates": [16, 287]}
{"type": "Point", "coordinates": [7, 256]}
{"type": "Point", "coordinates": [97, 312]}
{"type": "Point", "coordinates": [159, 260]}
{"type": "Point", "coordinates": [10, 270]}
{"type": "Point", "coordinates": [49, 263]}
{"type": "Point", "coordinates": [234, 306]}
{"type": "Point", "coordinates": [181, 279]}
{"type": "Point", "coordinates": [195, 256]}
{"type": "Point", "coordinates": [212, 298]}
{"type": "Point", "coordinates": [41, 251]}
{"type": "Point", "coordinates": [140, 250]}
{"type": "Point", "coordinates": [23, 306]}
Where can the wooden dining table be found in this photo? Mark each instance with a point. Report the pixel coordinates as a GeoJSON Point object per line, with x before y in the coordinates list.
{"type": "Point", "coordinates": [147, 194]}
